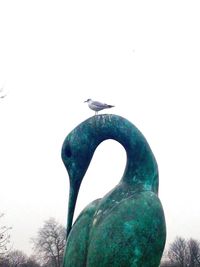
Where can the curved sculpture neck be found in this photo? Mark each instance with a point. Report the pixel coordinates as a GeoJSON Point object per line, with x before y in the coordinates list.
{"type": "Point", "coordinates": [141, 172]}
{"type": "Point", "coordinates": [141, 167]}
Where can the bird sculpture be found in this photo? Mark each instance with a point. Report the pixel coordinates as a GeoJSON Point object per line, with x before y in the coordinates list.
{"type": "Point", "coordinates": [97, 106]}
{"type": "Point", "coordinates": [126, 227]}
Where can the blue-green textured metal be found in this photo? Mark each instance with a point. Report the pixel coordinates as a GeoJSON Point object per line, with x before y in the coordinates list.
{"type": "Point", "coordinates": [126, 227]}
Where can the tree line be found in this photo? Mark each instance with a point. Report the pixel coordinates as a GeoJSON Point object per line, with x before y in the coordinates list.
{"type": "Point", "coordinates": [183, 253]}
{"type": "Point", "coordinates": [49, 244]}
{"type": "Point", "coordinates": [48, 247]}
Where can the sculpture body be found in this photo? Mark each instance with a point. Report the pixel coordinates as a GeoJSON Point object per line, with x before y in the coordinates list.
{"type": "Point", "coordinates": [125, 228]}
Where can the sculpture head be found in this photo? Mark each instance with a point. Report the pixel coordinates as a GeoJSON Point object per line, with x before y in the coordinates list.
{"type": "Point", "coordinates": [77, 151]}
{"type": "Point", "coordinates": [75, 157]}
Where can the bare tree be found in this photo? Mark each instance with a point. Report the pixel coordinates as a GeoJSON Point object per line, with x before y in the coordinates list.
{"type": "Point", "coordinates": [4, 238]}
{"type": "Point", "coordinates": [31, 262]}
{"type": "Point", "coordinates": [17, 258]}
{"type": "Point", "coordinates": [194, 252]}
{"type": "Point", "coordinates": [178, 252]}
{"type": "Point", "coordinates": [50, 243]}
{"type": "Point", "coordinates": [185, 252]}
{"type": "Point", "coordinates": [4, 262]}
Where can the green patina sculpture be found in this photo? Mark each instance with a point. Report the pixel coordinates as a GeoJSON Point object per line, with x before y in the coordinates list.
{"type": "Point", "coordinates": [125, 228]}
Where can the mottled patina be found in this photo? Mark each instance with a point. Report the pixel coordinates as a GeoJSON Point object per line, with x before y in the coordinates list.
{"type": "Point", "coordinates": [125, 228]}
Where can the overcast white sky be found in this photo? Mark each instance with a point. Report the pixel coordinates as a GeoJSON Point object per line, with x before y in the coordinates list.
{"type": "Point", "coordinates": [141, 56]}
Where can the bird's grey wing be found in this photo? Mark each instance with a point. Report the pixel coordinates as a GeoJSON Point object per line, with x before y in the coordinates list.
{"type": "Point", "coordinates": [99, 104]}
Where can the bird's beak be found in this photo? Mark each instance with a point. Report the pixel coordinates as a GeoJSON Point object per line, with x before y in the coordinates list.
{"type": "Point", "coordinates": [85, 101]}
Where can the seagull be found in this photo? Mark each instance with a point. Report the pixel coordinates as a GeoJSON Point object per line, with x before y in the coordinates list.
{"type": "Point", "coordinates": [97, 106]}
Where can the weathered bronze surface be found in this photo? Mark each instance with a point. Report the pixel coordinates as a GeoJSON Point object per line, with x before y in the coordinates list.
{"type": "Point", "coordinates": [125, 228]}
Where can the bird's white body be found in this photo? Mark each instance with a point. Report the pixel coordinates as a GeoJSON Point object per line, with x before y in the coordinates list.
{"type": "Point", "coordinates": [97, 106]}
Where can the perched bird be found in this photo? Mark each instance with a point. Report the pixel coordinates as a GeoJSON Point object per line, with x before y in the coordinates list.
{"type": "Point", "coordinates": [97, 106]}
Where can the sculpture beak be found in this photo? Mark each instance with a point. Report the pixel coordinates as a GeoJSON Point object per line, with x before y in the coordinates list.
{"type": "Point", "coordinates": [73, 194]}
